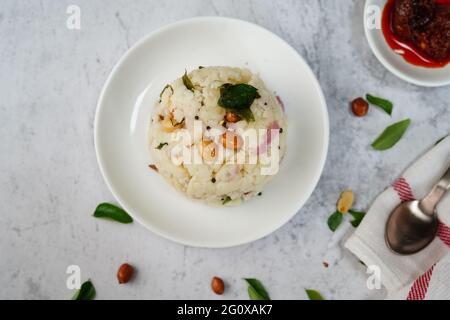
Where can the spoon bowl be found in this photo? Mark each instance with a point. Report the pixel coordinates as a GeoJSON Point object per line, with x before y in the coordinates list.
{"type": "Point", "coordinates": [413, 225]}
{"type": "Point", "coordinates": [409, 230]}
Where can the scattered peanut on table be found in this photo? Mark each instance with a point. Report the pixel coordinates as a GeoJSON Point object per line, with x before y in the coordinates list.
{"type": "Point", "coordinates": [345, 201]}
{"type": "Point", "coordinates": [125, 273]}
{"type": "Point", "coordinates": [217, 286]}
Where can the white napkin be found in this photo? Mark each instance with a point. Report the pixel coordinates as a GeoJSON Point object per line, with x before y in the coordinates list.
{"type": "Point", "coordinates": [425, 275]}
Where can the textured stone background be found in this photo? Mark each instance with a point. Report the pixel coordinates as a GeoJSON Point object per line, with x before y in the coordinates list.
{"type": "Point", "coordinates": [50, 80]}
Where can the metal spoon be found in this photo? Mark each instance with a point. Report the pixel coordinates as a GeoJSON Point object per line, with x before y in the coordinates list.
{"type": "Point", "coordinates": [413, 225]}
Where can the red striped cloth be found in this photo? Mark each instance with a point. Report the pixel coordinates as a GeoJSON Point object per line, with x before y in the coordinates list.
{"type": "Point", "coordinates": [401, 186]}
{"type": "Point", "coordinates": [444, 234]}
{"type": "Point", "coordinates": [420, 286]}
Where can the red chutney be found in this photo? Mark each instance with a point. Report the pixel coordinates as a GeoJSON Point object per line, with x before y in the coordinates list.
{"type": "Point", "coordinates": [407, 50]}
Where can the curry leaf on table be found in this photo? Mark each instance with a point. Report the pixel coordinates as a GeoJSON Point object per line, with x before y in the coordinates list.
{"type": "Point", "coordinates": [314, 295]}
{"type": "Point", "coordinates": [256, 290]}
{"type": "Point", "coordinates": [112, 212]}
{"type": "Point", "coordinates": [384, 104]}
{"type": "Point", "coordinates": [335, 220]}
{"type": "Point", "coordinates": [391, 135]}
{"type": "Point", "coordinates": [357, 217]}
{"type": "Point", "coordinates": [86, 292]}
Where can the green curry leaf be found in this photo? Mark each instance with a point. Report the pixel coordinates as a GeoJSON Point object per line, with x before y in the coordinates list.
{"type": "Point", "coordinates": [187, 82]}
{"type": "Point", "coordinates": [112, 212]}
{"type": "Point", "coordinates": [314, 295]}
{"type": "Point", "coordinates": [238, 98]}
{"type": "Point", "coordinates": [165, 88]}
{"type": "Point", "coordinates": [391, 135]}
{"type": "Point", "coordinates": [86, 292]}
{"type": "Point", "coordinates": [384, 104]}
{"type": "Point", "coordinates": [256, 290]}
{"type": "Point", "coordinates": [357, 217]}
{"type": "Point", "coordinates": [161, 145]}
{"type": "Point", "coordinates": [335, 220]}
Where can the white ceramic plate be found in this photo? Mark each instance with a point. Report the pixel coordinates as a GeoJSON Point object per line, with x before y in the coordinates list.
{"type": "Point", "coordinates": [428, 77]}
{"type": "Point", "coordinates": [131, 91]}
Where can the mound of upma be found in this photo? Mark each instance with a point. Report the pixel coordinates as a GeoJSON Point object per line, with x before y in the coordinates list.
{"type": "Point", "coordinates": [218, 135]}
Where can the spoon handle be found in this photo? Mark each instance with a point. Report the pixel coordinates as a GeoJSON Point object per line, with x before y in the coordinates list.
{"type": "Point", "coordinates": [428, 204]}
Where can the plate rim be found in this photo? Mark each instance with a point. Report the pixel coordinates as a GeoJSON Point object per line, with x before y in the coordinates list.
{"type": "Point", "coordinates": [391, 68]}
{"type": "Point", "coordinates": [166, 235]}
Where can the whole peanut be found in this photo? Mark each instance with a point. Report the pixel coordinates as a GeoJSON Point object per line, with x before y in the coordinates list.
{"type": "Point", "coordinates": [217, 285]}
{"type": "Point", "coordinates": [125, 273]}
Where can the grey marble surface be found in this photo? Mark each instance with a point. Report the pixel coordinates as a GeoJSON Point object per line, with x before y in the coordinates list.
{"type": "Point", "coordinates": [50, 183]}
